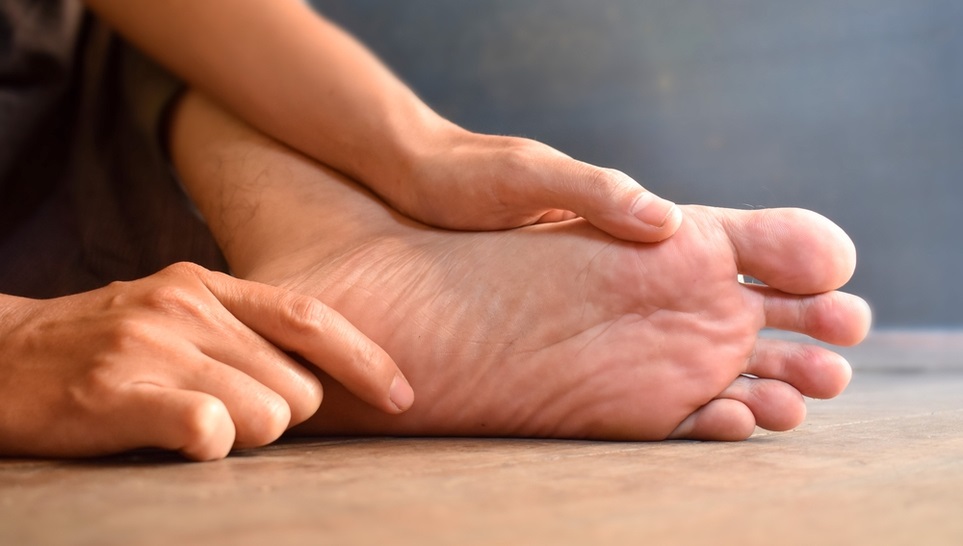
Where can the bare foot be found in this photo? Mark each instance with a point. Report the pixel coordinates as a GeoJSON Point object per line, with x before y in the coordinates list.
{"type": "Point", "coordinates": [553, 330]}
{"type": "Point", "coordinates": [560, 331]}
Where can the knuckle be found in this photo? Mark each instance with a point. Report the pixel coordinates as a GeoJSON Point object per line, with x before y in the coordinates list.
{"type": "Point", "coordinates": [273, 416]}
{"type": "Point", "coordinates": [97, 385]}
{"type": "Point", "coordinates": [308, 403]}
{"type": "Point", "coordinates": [519, 152]}
{"type": "Point", "coordinates": [518, 157]}
{"type": "Point", "coordinates": [367, 358]}
{"type": "Point", "coordinates": [524, 157]}
{"type": "Point", "coordinates": [203, 428]}
{"type": "Point", "coordinates": [119, 292]}
{"type": "Point", "coordinates": [185, 269]}
{"type": "Point", "coordinates": [127, 334]}
{"type": "Point", "coordinates": [276, 420]}
{"type": "Point", "coordinates": [608, 183]}
{"type": "Point", "coordinates": [302, 393]}
{"type": "Point", "coordinates": [306, 315]}
{"type": "Point", "coordinates": [167, 297]}
{"type": "Point", "coordinates": [101, 378]}
{"type": "Point", "coordinates": [177, 300]}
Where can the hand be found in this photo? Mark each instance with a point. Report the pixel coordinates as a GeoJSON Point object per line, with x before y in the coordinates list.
{"type": "Point", "coordinates": [185, 359]}
{"type": "Point", "coordinates": [335, 102]}
{"type": "Point", "coordinates": [483, 182]}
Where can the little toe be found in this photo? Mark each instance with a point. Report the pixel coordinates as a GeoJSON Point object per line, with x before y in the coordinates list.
{"type": "Point", "coordinates": [722, 419]}
{"type": "Point", "coordinates": [814, 371]}
{"type": "Point", "coordinates": [775, 405]}
{"type": "Point", "coordinates": [793, 250]}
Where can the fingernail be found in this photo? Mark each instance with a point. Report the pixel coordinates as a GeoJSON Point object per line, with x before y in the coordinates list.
{"type": "Point", "coordinates": [400, 393]}
{"type": "Point", "coordinates": [652, 209]}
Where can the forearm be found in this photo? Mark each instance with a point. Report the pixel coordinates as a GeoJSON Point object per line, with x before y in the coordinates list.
{"type": "Point", "coordinates": [306, 83]}
{"type": "Point", "coordinates": [291, 74]}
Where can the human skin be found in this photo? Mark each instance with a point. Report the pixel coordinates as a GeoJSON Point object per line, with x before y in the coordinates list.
{"type": "Point", "coordinates": [299, 78]}
{"type": "Point", "coordinates": [186, 359]}
{"type": "Point", "coordinates": [554, 330]}
{"type": "Point", "coordinates": [77, 374]}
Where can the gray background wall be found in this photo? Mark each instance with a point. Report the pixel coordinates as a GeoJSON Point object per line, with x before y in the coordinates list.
{"type": "Point", "coordinates": [853, 108]}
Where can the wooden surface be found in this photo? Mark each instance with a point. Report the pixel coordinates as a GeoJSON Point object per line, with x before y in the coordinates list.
{"type": "Point", "coordinates": [883, 464]}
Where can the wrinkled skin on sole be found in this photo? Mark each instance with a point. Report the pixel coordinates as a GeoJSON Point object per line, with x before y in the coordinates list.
{"type": "Point", "coordinates": [558, 330]}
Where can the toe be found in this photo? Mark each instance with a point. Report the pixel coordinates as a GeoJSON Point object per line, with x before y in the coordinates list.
{"type": "Point", "coordinates": [835, 317]}
{"type": "Point", "coordinates": [774, 404]}
{"type": "Point", "coordinates": [722, 419]}
{"type": "Point", "coordinates": [793, 250]}
{"type": "Point", "coordinates": [812, 370]}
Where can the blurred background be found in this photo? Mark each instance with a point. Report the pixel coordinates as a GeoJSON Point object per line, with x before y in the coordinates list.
{"type": "Point", "coordinates": [851, 108]}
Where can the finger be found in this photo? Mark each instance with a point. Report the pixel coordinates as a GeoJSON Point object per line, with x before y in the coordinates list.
{"type": "Point", "coordinates": [834, 317]}
{"type": "Point", "coordinates": [609, 199]}
{"type": "Point", "coordinates": [723, 420]}
{"type": "Point", "coordinates": [274, 369]}
{"type": "Point", "coordinates": [266, 364]}
{"type": "Point", "coordinates": [194, 423]}
{"type": "Point", "coordinates": [812, 370]}
{"type": "Point", "coordinates": [793, 250]}
{"type": "Point", "coordinates": [774, 404]}
{"type": "Point", "coordinates": [223, 337]}
{"type": "Point", "coordinates": [304, 325]}
{"type": "Point", "coordinates": [259, 414]}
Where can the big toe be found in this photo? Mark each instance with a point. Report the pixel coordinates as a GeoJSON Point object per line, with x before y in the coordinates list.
{"type": "Point", "coordinates": [793, 250]}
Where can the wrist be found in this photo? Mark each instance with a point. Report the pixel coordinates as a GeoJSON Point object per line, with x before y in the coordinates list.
{"type": "Point", "coordinates": [416, 143]}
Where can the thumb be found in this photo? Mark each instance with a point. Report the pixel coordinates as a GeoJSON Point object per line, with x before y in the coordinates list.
{"type": "Point", "coordinates": [613, 202]}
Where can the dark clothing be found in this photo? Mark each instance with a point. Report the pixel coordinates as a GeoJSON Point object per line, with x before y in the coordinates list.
{"type": "Point", "coordinates": [37, 50]}
{"type": "Point", "coordinates": [86, 192]}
